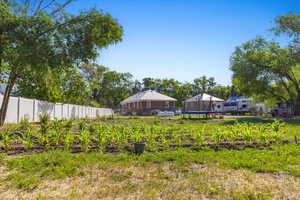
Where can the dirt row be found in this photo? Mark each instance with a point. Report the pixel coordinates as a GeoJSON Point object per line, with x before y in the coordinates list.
{"type": "Point", "coordinates": [76, 148]}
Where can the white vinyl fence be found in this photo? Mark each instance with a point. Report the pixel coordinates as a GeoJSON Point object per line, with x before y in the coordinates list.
{"type": "Point", "coordinates": [20, 108]}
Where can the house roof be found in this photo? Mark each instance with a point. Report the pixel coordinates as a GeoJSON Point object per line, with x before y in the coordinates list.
{"type": "Point", "coordinates": [203, 97]}
{"type": "Point", "coordinates": [149, 95]}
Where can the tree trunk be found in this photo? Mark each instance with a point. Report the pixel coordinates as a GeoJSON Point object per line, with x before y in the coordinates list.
{"type": "Point", "coordinates": [297, 105]}
{"type": "Point", "coordinates": [8, 89]}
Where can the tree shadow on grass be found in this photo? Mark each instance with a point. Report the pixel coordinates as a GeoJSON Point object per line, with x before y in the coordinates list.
{"type": "Point", "coordinates": [260, 120]}
{"type": "Point", "coordinates": [254, 120]}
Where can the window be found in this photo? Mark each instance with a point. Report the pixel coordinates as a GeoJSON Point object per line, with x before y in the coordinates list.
{"type": "Point", "coordinates": [230, 104]}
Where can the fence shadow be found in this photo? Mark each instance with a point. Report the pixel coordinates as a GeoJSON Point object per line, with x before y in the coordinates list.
{"type": "Point", "coordinates": [45, 107]}
{"type": "Point", "coordinates": [260, 120]}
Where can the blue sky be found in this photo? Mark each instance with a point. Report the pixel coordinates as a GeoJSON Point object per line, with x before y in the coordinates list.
{"type": "Point", "coordinates": [184, 39]}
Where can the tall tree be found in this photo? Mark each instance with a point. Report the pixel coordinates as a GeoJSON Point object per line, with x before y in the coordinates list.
{"type": "Point", "coordinates": [42, 35]}
{"type": "Point", "coordinates": [203, 85]}
{"type": "Point", "coordinates": [149, 84]}
{"type": "Point", "coordinates": [94, 74]}
{"type": "Point", "coordinates": [288, 25]}
{"type": "Point", "coordinates": [266, 71]}
{"type": "Point", "coordinates": [115, 87]}
{"type": "Point", "coordinates": [269, 71]}
{"type": "Point", "coordinates": [223, 92]}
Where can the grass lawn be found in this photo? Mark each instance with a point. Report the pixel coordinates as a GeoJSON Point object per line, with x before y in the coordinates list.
{"type": "Point", "coordinates": [271, 172]}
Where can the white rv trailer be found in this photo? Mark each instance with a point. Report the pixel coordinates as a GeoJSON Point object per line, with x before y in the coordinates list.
{"type": "Point", "coordinates": [243, 105]}
{"type": "Point", "coordinates": [238, 105]}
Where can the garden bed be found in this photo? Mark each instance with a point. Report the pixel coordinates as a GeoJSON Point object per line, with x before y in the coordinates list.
{"type": "Point", "coordinates": [108, 137]}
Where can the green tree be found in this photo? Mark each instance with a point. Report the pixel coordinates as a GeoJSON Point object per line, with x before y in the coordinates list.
{"type": "Point", "coordinates": [223, 92]}
{"type": "Point", "coordinates": [94, 74]}
{"type": "Point", "coordinates": [137, 87]}
{"type": "Point", "coordinates": [115, 87]}
{"type": "Point", "coordinates": [288, 25]}
{"type": "Point", "coordinates": [75, 88]}
{"type": "Point", "coordinates": [42, 85]}
{"type": "Point", "coordinates": [41, 35]}
{"type": "Point", "coordinates": [149, 84]}
{"type": "Point", "coordinates": [266, 71]}
{"type": "Point", "coordinates": [203, 85]}
{"type": "Point", "coordinates": [183, 92]}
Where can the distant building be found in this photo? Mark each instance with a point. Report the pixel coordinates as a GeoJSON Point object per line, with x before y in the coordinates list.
{"type": "Point", "coordinates": [144, 103]}
{"type": "Point", "coordinates": [203, 102]}
{"type": "Point", "coordinates": [2, 88]}
{"type": "Point", "coordinates": [282, 109]}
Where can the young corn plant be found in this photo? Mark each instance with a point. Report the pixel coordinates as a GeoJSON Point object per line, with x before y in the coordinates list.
{"type": "Point", "coordinates": [82, 125]}
{"type": "Point", "coordinates": [43, 137]}
{"type": "Point", "coordinates": [151, 143]}
{"type": "Point", "coordinates": [7, 140]}
{"type": "Point", "coordinates": [248, 135]}
{"type": "Point", "coordinates": [28, 139]}
{"type": "Point", "coordinates": [199, 138]}
{"type": "Point", "coordinates": [218, 137]}
{"type": "Point", "coordinates": [68, 141]}
{"type": "Point", "coordinates": [264, 138]}
{"type": "Point", "coordinates": [101, 140]}
{"type": "Point", "coordinates": [85, 140]}
{"type": "Point", "coordinates": [276, 137]}
{"type": "Point", "coordinates": [55, 137]}
{"type": "Point", "coordinates": [44, 118]}
{"type": "Point", "coordinates": [277, 125]}
{"type": "Point", "coordinates": [199, 135]}
{"type": "Point", "coordinates": [136, 137]}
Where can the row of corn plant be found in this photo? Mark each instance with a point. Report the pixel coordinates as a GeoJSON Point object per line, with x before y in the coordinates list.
{"type": "Point", "coordinates": [66, 134]}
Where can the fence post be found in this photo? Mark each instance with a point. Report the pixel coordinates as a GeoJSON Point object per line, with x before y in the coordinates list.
{"type": "Point", "coordinates": [33, 109]}
{"type": "Point", "coordinates": [68, 116]}
{"type": "Point", "coordinates": [18, 113]}
{"type": "Point", "coordinates": [62, 111]}
{"type": "Point", "coordinates": [54, 111]}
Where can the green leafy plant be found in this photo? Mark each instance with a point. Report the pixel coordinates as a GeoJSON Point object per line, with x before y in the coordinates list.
{"type": "Point", "coordinates": [7, 140]}
{"type": "Point", "coordinates": [68, 141]}
{"type": "Point", "coordinates": [28, 139]}
{"type": "Point", "coordinates": [85, 140]}
{"type": "Point", "coordinates": [82, 125]}
{"type": "Point", "coordinates": [44, 118]}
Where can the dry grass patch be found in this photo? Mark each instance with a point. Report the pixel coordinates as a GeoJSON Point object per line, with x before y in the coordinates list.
{"type": "Point", "coordinates": [163, 181]}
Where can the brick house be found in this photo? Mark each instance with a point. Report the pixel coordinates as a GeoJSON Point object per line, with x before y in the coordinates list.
{"type": "Point", "coordinates": [143, 103]}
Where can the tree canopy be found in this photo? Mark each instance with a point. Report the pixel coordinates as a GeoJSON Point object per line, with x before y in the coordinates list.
{"type": "Point", "coordinates": [41, 36]}
{"type": "Point", "coordinates": [269, 71]}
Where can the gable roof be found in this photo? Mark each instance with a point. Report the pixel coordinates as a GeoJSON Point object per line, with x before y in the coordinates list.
{"type": "Point", "coordinates": [149, 95]}
{"type": "Point", "coordinates": [203, 97]}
